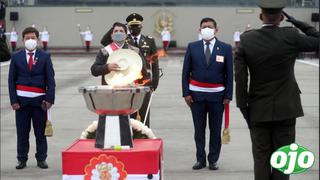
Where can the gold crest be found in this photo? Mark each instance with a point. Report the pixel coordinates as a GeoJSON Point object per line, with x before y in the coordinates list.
{"type": "Point", "coordinates": [163, 19]}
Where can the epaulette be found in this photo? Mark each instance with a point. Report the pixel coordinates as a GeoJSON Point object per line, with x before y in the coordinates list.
{"type": "Point", "coordinates": [104, 51]}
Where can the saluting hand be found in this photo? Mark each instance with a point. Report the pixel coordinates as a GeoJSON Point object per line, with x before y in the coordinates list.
{"type": "Point", "coordinates": [188, 100]}
{"type": "Point", "coordinates": [113, 67]}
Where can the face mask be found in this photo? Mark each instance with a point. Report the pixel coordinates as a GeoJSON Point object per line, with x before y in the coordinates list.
{"type": "Point", "coordinates": [207, 33]}
{"type": "Point", "coordinates": [30, 44]}
{"type": "Point", "coordinates": [135, 30]}
{"type": "Point", "coordinates": [118, 37]}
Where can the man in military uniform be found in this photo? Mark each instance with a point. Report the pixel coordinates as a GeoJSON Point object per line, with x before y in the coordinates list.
{"type": "Point", "coordinates": [148, 49]}
{"type": "Point", "coordinates": [272, 103]}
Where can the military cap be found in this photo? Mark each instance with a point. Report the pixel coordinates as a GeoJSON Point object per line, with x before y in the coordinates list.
{"type": "Point", "coordinates": [272, 4]}
{"type": "Point", "coordinates": [134, 19]}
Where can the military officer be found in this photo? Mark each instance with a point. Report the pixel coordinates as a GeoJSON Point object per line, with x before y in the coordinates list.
{"type": "Point", "coordinates": [148, 49]}
{"type": "Point", "coordinates": [272, 103]}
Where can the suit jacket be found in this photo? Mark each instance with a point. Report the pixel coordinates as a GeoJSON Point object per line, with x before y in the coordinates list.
{"type": "Point", "coordinates": [99, 67]}
{"type": "Point", "coordinates": [147, 48]}
{"type": "Point", "coordinates": [269, 54]}
{"type": "Point", "coordinates": [196, 67]}
{"type": "Point", "coordinates": [40, 76]}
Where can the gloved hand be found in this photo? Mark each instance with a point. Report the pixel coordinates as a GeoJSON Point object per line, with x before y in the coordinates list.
{"type": "Point", "coordinates": [245, 113]}
{"type": "Point", "coordinates": [289, 18]}
{"type": "Point", "coordinates": [304, 27]}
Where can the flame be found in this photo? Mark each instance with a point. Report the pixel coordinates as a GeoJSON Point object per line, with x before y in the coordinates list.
{"type": "Point", "coordinates": [140, 76]}
{"type": "Point", "coordinates": [152, 58]}
{"type": "Point", "coordinates": [140, 81]}
{"type": "Point", "coordinates": [161, 53]}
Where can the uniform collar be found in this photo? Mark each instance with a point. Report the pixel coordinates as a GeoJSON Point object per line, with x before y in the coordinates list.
{"type": "Point", "coordinates": [269, 25]}
{"type": "Point", "coordinates": [138, 37]}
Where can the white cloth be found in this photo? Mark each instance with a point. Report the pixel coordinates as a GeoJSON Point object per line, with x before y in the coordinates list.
{"type": "Point", "coordinates": [44, 36]}
{"type": "Point", "coordinates": [13, 36]}
{"type": "Point", "coordinates": [212, 42]}
{"type": "Point", "coordinates": [236, 36]}
{"type": "Point", "coordinates": [87, 35]}
{"type": "Point", "coordinates": [166, 36]}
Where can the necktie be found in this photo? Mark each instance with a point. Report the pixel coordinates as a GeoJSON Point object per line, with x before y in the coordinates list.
{"type": "Point", "coordinates": [135, 41]}
{"type": "Point", "coordinates": [30, 60]}
{"type": "Point", "coordinates": [208, 53]}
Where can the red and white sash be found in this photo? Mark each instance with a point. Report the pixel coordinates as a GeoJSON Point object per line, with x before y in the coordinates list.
{"type": "Point", "coordinates": [111, 48]}
{"type": "Point", "coordinates": [205, 87]}
{"type": "Point", "coordinates": [28, 91]}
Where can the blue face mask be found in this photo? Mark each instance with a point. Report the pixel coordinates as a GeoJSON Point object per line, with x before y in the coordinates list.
{"type": "Point", "coordinates": [118, 36]}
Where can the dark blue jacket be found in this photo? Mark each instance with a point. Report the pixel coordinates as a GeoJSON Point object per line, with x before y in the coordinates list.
{"type": "Point", "coordinates": [41, 76]}
{"type": "Point", "coordinates": [196, 67]}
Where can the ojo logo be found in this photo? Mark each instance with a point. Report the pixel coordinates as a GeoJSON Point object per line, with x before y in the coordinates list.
{"type": "Point", "coordinates": [292, 159]}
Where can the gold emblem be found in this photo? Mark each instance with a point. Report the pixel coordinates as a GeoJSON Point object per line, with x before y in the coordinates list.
{"type": "Point", "coordinates": [163, 19]}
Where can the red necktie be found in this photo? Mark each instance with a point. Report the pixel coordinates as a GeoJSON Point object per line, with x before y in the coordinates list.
{"type": "Point", "coordinates": [30, 60]}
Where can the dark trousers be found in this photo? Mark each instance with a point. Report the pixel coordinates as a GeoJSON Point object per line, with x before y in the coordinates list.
{"type": "Point", "coordinates": [24, 116]}
{"type": "Point", "coordinates": [143, 110]}
{"type": "Point", "coordinates": [267, 137]}
{"type": "Point", "coordinates": [200, 110]}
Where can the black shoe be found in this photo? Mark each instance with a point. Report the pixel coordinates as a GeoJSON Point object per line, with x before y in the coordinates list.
{"type": "Point", "coordinates": [213, 166]}
{"type": "Point", "coordinates": [21, 164]}
{"type": "Point", "coordinates": [198, 165]}
{"type": "Point", "coordinates": [42, 164]}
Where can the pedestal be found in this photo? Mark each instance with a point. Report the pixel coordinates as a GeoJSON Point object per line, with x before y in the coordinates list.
{"type": "Point", "coordinates": [113, 131]}
{"type": "Point", "coordinates": [83, 161]}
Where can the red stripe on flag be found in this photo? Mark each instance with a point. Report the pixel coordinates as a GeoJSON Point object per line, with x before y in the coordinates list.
{"type": "Point", "coordinates": [30, 89]}
{"type": "Point", "coordinates": [205, 85]}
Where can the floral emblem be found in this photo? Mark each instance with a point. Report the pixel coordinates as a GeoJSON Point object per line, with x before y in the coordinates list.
{"type": "Point", "coordinates": [105, 168]}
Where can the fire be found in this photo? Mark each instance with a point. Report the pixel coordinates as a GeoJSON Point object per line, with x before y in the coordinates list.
{"type": "Point", "coordinates": [161, 53]}
{"type": "Point", "coordinates": [152, 58]}
{"type": "Point", "coordinates": [140, 76]}
{"type": "Point", "coordinates": [140, 81]}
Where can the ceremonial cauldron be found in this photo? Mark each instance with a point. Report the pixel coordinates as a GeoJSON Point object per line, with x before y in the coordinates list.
{"type": "Point", "coordinates": [108, 100]}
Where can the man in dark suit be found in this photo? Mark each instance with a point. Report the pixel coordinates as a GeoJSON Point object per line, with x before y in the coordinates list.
{"type": "Point", "coordinates": [148, 49]}
{"type": "Point", "coordinates": [272, 102]}
{"type": "Point", "coordinates": [207, 82]}
{"type": "Point", "coordinates": [32, 92]}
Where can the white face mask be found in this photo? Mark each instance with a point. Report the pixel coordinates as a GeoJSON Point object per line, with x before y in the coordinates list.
{"type": "Point", "coordinates": [30, 44]}
{"type": "Point", "coordinates": [207, 33]}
